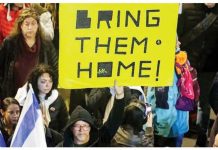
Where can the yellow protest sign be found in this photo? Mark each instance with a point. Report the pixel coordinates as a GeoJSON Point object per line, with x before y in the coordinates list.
{"type": "Point", "coordinates": [132, 43]}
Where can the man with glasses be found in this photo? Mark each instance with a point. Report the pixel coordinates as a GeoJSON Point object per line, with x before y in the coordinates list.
{"type": "Point", "coordinates": [82, 132]}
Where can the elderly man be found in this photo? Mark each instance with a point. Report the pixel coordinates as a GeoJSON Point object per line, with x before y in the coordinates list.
{"type": "Point", "coordinates": [82, 132]}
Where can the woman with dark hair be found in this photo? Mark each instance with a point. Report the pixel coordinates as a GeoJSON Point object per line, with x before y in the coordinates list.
{"type": "Point", "coordinates": [131, 133]}
{"type": "Point", "coordinates": [25, 48]}
{"type": "Point", "coordinates": [10, 113]}
{"type": "Point", "coordinates": [44, 85]}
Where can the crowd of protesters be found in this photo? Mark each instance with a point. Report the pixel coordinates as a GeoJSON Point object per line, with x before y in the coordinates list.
{"type": "Point", "coordinates": [112, 116]}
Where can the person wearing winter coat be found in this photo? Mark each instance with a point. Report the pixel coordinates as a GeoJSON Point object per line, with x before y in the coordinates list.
{"type": "Point", "coordinates": [44, 85]}
{"type": "Point", "coordinates": [99, 99]}
{"type": "Point", "coordinates": [25, 48]}
{"type": "Point", "coordinates": [52, 137]}
{"type": "Point", "coordinates": [197, 31]}
{"type": "Point", "coordinates": [81, 130]}
{"type": "Point", "coordinates": [9, 12]}
{"type": "Point", "coordinates": [131, 133]}
{"type": "Point", "coordinates": [45, 21]}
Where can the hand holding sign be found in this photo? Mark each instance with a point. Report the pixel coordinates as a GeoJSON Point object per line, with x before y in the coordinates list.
{"type": "Point", "coordinates": [131, 49]}
{"type": "Point", "coordinates": [119, 91]}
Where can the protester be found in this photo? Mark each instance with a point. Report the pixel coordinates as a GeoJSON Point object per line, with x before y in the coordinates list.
{"type": "Point", "coordinates": [22, 51]}
{"type": "Point", "coordinates": [197, 31]}
{"type": "Point", "coordinates": [163, 100]}
{"type": "Point", "coordinates": [44, 85]}
{"type": "Point", "coordinates": [131, 133]}
{"type": "Point", "coordinates": [101, 100]}
{"type": "Point", "coordinates": [82, 132]}
{"type": "Point", "coordinates": [8, 15]}
{"type": "Point", "coordinates": [10, 114]}
{"type": "Point", "coordinates": [45, 21]}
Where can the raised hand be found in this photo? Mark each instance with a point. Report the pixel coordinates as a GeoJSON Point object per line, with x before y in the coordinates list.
{"type": "Point", "coordinates": [119, 90]}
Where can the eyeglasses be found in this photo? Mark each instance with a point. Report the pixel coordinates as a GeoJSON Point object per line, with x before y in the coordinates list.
{"type": "Point", "coordinates": [83, 127]}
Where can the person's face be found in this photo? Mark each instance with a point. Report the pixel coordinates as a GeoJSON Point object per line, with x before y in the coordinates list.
{"type": "Point", "coordinates": [11, 115]}
{"type": "Point", "coordinates": [81, 130]}
{"type": "Point", "coordinates": [44, 83]}
{"type": "Point", "coordinates": [29, 27]}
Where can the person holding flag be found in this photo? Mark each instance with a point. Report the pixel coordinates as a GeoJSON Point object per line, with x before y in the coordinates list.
{"type": "Point", "coordinates": [10, 114]}
{"type": "Point", "coordinates": [44, 84]}
{"type": "Point", "coordinates": [50, 107]}
{"type": "Point", "coordinates": [29, 131]}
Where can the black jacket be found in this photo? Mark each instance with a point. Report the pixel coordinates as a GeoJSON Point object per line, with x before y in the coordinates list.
{"type": "Point", "coordinates": [52, 137]}
{"type": "Point", "coordinates": [59, 115]}
{"type": "Point", "coordinates": [10, 48]}
{"type": "Point", "coordinates": [78, 97]}
{"type": "Point", "coordinates": [202, 51]}
{"type": "Point", "coordinates": [98, 137]}
{"type": "Point", "coordinates": [98, 100]}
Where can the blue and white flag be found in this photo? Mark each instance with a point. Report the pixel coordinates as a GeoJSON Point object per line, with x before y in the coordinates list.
{"type": "Point", "coordinates": [2, 140]}
{"type": "Point", "coordinates": [29, 131]}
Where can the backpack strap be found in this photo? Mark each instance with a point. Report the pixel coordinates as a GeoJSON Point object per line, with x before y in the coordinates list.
{"type": "Point", "coordinates": [198, 29]}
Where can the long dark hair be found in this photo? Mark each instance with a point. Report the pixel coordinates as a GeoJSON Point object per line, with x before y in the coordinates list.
{"type": "Point", "coordinates": [36, 73]}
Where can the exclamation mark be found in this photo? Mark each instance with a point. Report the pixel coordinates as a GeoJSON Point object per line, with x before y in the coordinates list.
{"type": "Point", "coordinates": [158, 67]}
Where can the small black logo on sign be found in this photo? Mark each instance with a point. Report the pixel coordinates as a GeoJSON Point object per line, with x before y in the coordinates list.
{"type": "Point", "coordinates": [105, 69]}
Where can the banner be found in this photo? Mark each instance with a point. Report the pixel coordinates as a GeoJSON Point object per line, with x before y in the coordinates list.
{"type": "Point", "coordinates": [132, 43]}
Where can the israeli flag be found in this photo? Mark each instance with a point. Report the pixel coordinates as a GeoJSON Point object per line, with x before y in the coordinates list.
{"type": "Point", "coordinates": [2, 141]}
{"type": "Point", "coordinates": [29, 131]}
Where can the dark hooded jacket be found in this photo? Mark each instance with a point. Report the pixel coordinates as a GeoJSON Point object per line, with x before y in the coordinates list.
{"type": "Point", "coordinates": [52, 137]}
{"type": "Point", "coordinates": [98, 99]}
{"type": "Point", "coordinates": [98, 136]}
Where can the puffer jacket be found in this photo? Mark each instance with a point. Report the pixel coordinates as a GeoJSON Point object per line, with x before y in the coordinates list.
{"type": "Point", "coordinates": [98, 136]}
{"type": "Point", "coordinates": [164, 119]}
